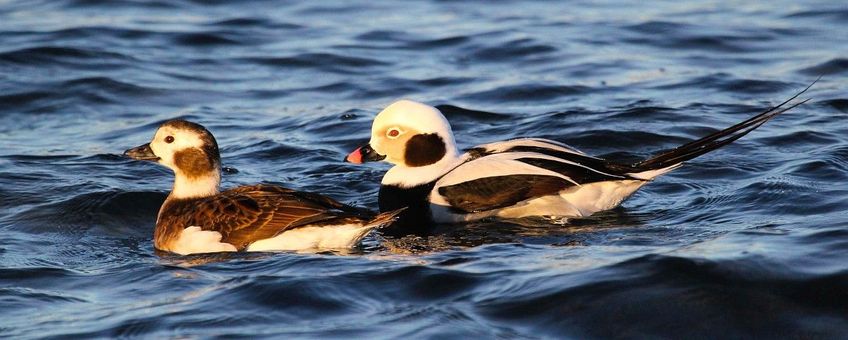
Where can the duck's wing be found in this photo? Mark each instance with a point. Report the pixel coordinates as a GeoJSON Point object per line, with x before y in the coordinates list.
{"type": "Point", "coordinates": [247, 214]}
{"type": "Point", "coordinates": [523, 145]}
{"type": "Point", "coordinates": [496, 192]}
{"type": "Point", "coordinates": [550, 148]}
{"type": "Point", "coordinates": [331, 203]}
{"type": "Point", "coordinates": [504, 179]}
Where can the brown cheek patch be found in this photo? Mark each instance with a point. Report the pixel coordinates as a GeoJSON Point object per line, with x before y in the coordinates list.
{"type": "Point", "coordinates": [193, 162]}
{"type": "Point", "coordinates": [424, 149]}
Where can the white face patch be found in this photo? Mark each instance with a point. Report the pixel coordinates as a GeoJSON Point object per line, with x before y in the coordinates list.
{"type": "Point", "coordinates": [168, 141]}
{"type": "Point", "coordinates": [403, 117]}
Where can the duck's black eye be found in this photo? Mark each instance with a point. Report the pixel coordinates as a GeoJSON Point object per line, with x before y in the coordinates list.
{"type": "Point", "coordinates": [169, 139]}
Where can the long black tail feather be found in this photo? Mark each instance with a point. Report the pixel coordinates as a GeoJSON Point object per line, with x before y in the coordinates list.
{"type": "Point", "coordinates": [716, 140]}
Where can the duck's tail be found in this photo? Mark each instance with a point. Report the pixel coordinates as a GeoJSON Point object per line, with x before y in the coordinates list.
{"type": "Point", "coordinates": [385, 218]}
{"type": "Point", "coordinates": [670, 160]}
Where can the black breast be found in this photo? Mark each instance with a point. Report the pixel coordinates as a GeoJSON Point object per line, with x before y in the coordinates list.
{"type": "Point", "coordinates": [416, 219]}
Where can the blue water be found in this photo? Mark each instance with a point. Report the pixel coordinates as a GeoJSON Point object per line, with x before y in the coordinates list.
{"type": "Point", "coordinates": [748, 241]}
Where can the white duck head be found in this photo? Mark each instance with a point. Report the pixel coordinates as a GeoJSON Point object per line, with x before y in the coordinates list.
{"type": "Point", "coordinates": [415, 137]}
{"type": "Point", "coordinates": [190, 151]}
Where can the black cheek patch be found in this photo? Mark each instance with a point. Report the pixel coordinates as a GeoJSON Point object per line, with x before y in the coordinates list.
{"type": "Point", "coordinates": [424, 149]}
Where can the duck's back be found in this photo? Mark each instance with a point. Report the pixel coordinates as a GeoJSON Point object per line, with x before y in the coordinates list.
{"type": "Point", "coordinates": [247, 214]}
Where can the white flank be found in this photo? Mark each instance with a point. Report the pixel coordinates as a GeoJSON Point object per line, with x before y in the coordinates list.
{"type": "Point", "coordinates": [552, 205]}
{"type": "Point", "coordinates": [313, 238]}
{"type": "Point", "coordinates": [193, 240]}
{"type": "Point", "coordinates": [578, 201]}
{"type": "Point", "coordinates": [599, 196]}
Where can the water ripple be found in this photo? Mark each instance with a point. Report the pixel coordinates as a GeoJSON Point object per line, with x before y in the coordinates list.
{"type": "Point", "coordinates": [746, 242]}
{"type": "Point", "coordinates": [46, 55]}
{"type": "Point", "coordinates": [833, 66]}
{"type": "Point", "coordinates": [526, 92]}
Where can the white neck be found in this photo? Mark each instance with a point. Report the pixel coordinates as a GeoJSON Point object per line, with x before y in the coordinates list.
{"type": "Point", "coordinates": [406, 176]}
{"type": "Point", "coordinates": [203, 186]}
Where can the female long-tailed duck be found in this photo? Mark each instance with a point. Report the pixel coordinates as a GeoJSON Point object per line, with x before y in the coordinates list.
{"type": "Point", "coordinates": [197, 218]}
{"type": "Point", "coordinates": [516, 178]}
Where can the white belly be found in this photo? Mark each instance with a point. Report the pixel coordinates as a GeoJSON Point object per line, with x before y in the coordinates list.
{"type": "Point", "coordinates": [600, 196]}
{"type": "Point", "coordinates": [579, 201]}
{"type": "Point", "coordinates": [193, 240]}
{"type": "Point", "coordinates": [314, 238]}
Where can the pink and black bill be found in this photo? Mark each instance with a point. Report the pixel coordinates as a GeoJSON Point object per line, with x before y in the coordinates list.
{"type": "Point", "coordinates": [364, 154]}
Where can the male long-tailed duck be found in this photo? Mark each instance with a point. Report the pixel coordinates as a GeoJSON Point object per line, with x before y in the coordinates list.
{"type": "Point", "coordinates": [516, 178]}
{"type": "Point", "coordinates": [197, 218]}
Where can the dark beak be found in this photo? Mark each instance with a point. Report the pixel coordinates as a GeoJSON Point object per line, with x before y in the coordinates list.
{"type": "Point", "coordinates": [364, 154]}
{"type": "Point", "coordinates": [142, 153]}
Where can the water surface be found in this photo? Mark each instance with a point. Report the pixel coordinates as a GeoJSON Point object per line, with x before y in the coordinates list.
{"type": "Point", "coordinates": [751, 240]}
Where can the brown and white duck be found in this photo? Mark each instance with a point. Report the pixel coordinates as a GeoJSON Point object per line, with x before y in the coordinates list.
{"type": "Point", "coordinates": [197, 218]}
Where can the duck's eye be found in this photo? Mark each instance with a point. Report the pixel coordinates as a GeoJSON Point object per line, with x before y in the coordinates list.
{"type": "Point", "coordinates": [169, 139]}
{"type": "Point", "coordinates": [393, 133]}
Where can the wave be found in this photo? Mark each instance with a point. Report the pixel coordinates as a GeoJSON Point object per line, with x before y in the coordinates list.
{"type": "Point", "coordinates": [44, 55]}
{"type": "Point", "coordinates": [725, 82]}
{"type": "Point", "coordinates": [835, 14]}
{"type": "Point", "coordinates": [659, 27]}
{"type": "Point", "coordinates": [510, 51]}
{"type": "Point", "coordinates": [205, 39]}
{"type": "Point", "coordinates": [683, 291]}
{"type": "Point", "coordinates": [830, 67]}
{"type": "Point", "coordinates": [114, 213]}
{"type": "Point", "coordinates": [404, 40]}
{"type": "Point", "coordinates": [121, 4]}
{"type": "Point", "coordinates": [256, 22]}
{"type": "Point", "coordinates": [528, 92]}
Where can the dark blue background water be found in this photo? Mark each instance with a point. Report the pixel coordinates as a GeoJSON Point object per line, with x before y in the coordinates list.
{"type": "Point", "coordinates": [751, 240]}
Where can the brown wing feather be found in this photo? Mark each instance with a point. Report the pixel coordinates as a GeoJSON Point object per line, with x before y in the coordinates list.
{"type": "Point", "coordinates": [247, 214]}
{"type": "Point", "coordinates": [495, 192]}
